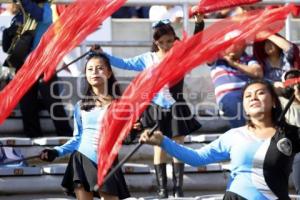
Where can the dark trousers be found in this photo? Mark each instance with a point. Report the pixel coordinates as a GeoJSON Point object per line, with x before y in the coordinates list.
{"type": "Point", "coordinates": [296, 173]}
{"type": "Point", "coordinates": [29, 105]}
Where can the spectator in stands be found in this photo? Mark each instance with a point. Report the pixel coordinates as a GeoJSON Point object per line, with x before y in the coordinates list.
{"type": "Point", "coordinates": [229, 75]}
{"type": "Point", "coordinates": [40, 18]}
{"type": "Point", "coordinates": [227, 12]}
{"type": "Point", "coordinates": [164, 106]}
{"type": "Point", "coordinates": [174, 13]}
{"type": "Point", "coordinates": [293, 117]}
{"type": "Point", "coordinates": [260, 153]}
{"type": "Point", "coordinates": [132, 12]}
{"type": "Point", "coordinates": [296, 163]}
{"type": "Point", "coordinates": [81, 173]}
{"type": "Point", "coordinates": [141, 12]}
{"type": "Point", "coordinates": [277, 55]}
{"type": "Point", "coordinates": [10, 9]}
{"type": "Point", "coordinates": [2, 8]}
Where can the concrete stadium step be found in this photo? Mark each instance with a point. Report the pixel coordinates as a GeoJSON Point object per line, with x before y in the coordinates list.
{"type": "Point", "coordinates": [203, 138]}
{"type": "Point", "coordinates": [44, 141]}
{"type": "Point", "coordinates": [139, 177]}
{"type": "Point", "coordinates": [31, 147]}
{"type": "Point", "coordinates": [135, 196]}
{"type": "Point", "coordinates": [14, 127]}
{"type": "Point", "coordinates": [54, 141]}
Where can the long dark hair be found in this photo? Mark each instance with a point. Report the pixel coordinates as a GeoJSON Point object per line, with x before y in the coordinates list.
{"type": "Point", "coordinates": [276, 110]}
{"type": "Point", "coordinates": [160, 30]}
{"type": "Point", "coordinates": [260, 54]}
{"type": "Point", "coordinates": [89, 100]}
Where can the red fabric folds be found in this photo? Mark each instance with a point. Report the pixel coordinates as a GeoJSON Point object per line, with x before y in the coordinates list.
{"type": "Point", "coordinates": [291, 82]}
{"type": "Point", "coordinates": [183, 57]}
{"type": "Point", "coordinates": [74, 25]}
{"type": "Point", "coordinates": [206, 6]}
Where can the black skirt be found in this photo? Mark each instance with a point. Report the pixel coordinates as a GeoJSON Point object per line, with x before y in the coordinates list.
{"type": "Point", "coordinates": [232, 196]}
{"type": "Point", "coordinates": [176, 121]}
{"type": "Point", "coordinates": [81, 171]}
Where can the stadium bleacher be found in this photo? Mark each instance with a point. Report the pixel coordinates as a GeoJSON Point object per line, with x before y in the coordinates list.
{"type": "Point", "coordinates": [45, 178]}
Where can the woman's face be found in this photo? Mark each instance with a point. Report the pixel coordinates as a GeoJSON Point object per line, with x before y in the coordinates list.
{"type": "Point", "coordinates": [97, 72]}
{"type": "Point", "coordinates": [271, 48]}
{"type": "Point", "coordinates": [257, 100]}
{"type": "Point", "coordinates": [165, 42]}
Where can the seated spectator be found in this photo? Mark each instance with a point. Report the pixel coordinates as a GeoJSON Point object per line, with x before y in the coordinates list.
{"type": "Point", "coordinates": [229, 74]}
{"type": "Point", "coordinates": [277, 55]}
{"type": "Point", "coordinates": [228, 12]}
{"type": "Point", "coordinates": [2, 8]}
{"type": "Point", "coordinates": [173, 13]}
{"type": "Point", "coordinates": [132, 12]}
{"type": "Point", "coordinates": [292, 116]}
{"type": "Point", "coordinates": [140, 12]}
{"type": "Point", "coordinates": [39, 13]}
{"type": "Point", "coordinates": [123, 12]}
{"type": "Point", "coordinates": [9, 9]}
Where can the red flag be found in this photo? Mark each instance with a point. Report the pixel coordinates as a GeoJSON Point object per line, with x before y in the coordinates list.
{"type": "Point", "coordinates": [207, 6]}
{"type": "Point", "coordinates": [291, 82]}
{"type": "Point", "coordinates": [74, 25]}
{"type": "Point", "coordinates": [183, 57]}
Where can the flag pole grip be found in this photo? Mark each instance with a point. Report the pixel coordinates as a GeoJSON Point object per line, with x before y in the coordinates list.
{"type": "Point", "coordinates": [119, 165]}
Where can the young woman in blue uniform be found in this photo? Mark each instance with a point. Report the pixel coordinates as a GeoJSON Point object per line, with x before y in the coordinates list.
{"type": "Point", "coordinates": [81, 173]}
{"type": "Point", "coordinates": [168, 107]}
{"type": "Point", "coordinates": [261, 153]}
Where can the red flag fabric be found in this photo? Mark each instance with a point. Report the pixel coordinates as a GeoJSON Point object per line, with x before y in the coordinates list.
{"type": "Point", "coordinates": [183, 57]}
{"type": "Point", "coordinates": [291, 82]}
{"type": "Point", "coordinates": [60, 8]}
{"type": "Point", "coordinates": [74, 25]}
{"type": "Point", "coordinates": [207, 6]}
{"type": "Point", "coordinates": [296, 11]}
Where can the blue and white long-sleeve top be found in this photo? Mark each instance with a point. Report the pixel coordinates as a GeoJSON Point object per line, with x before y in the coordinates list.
{"type": "Point", "coordinates": [139, 63]}
{"type": "Point", "coordinates": [87, 125]}
{"type": "Point", "coordinates": [259, 168]}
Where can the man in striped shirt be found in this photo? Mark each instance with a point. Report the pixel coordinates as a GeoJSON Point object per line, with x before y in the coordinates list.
{"type": "Point", "coordinates": [229, 75]}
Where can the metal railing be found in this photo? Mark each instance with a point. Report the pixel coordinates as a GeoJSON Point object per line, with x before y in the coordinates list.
{"type": "Point", "coordinates": [169, 2]}
{"type": "Point", "coordinates": [185, 4]}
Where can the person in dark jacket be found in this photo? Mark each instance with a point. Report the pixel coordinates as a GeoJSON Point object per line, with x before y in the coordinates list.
{"type": "Point", "coordinates": [39, 18]}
